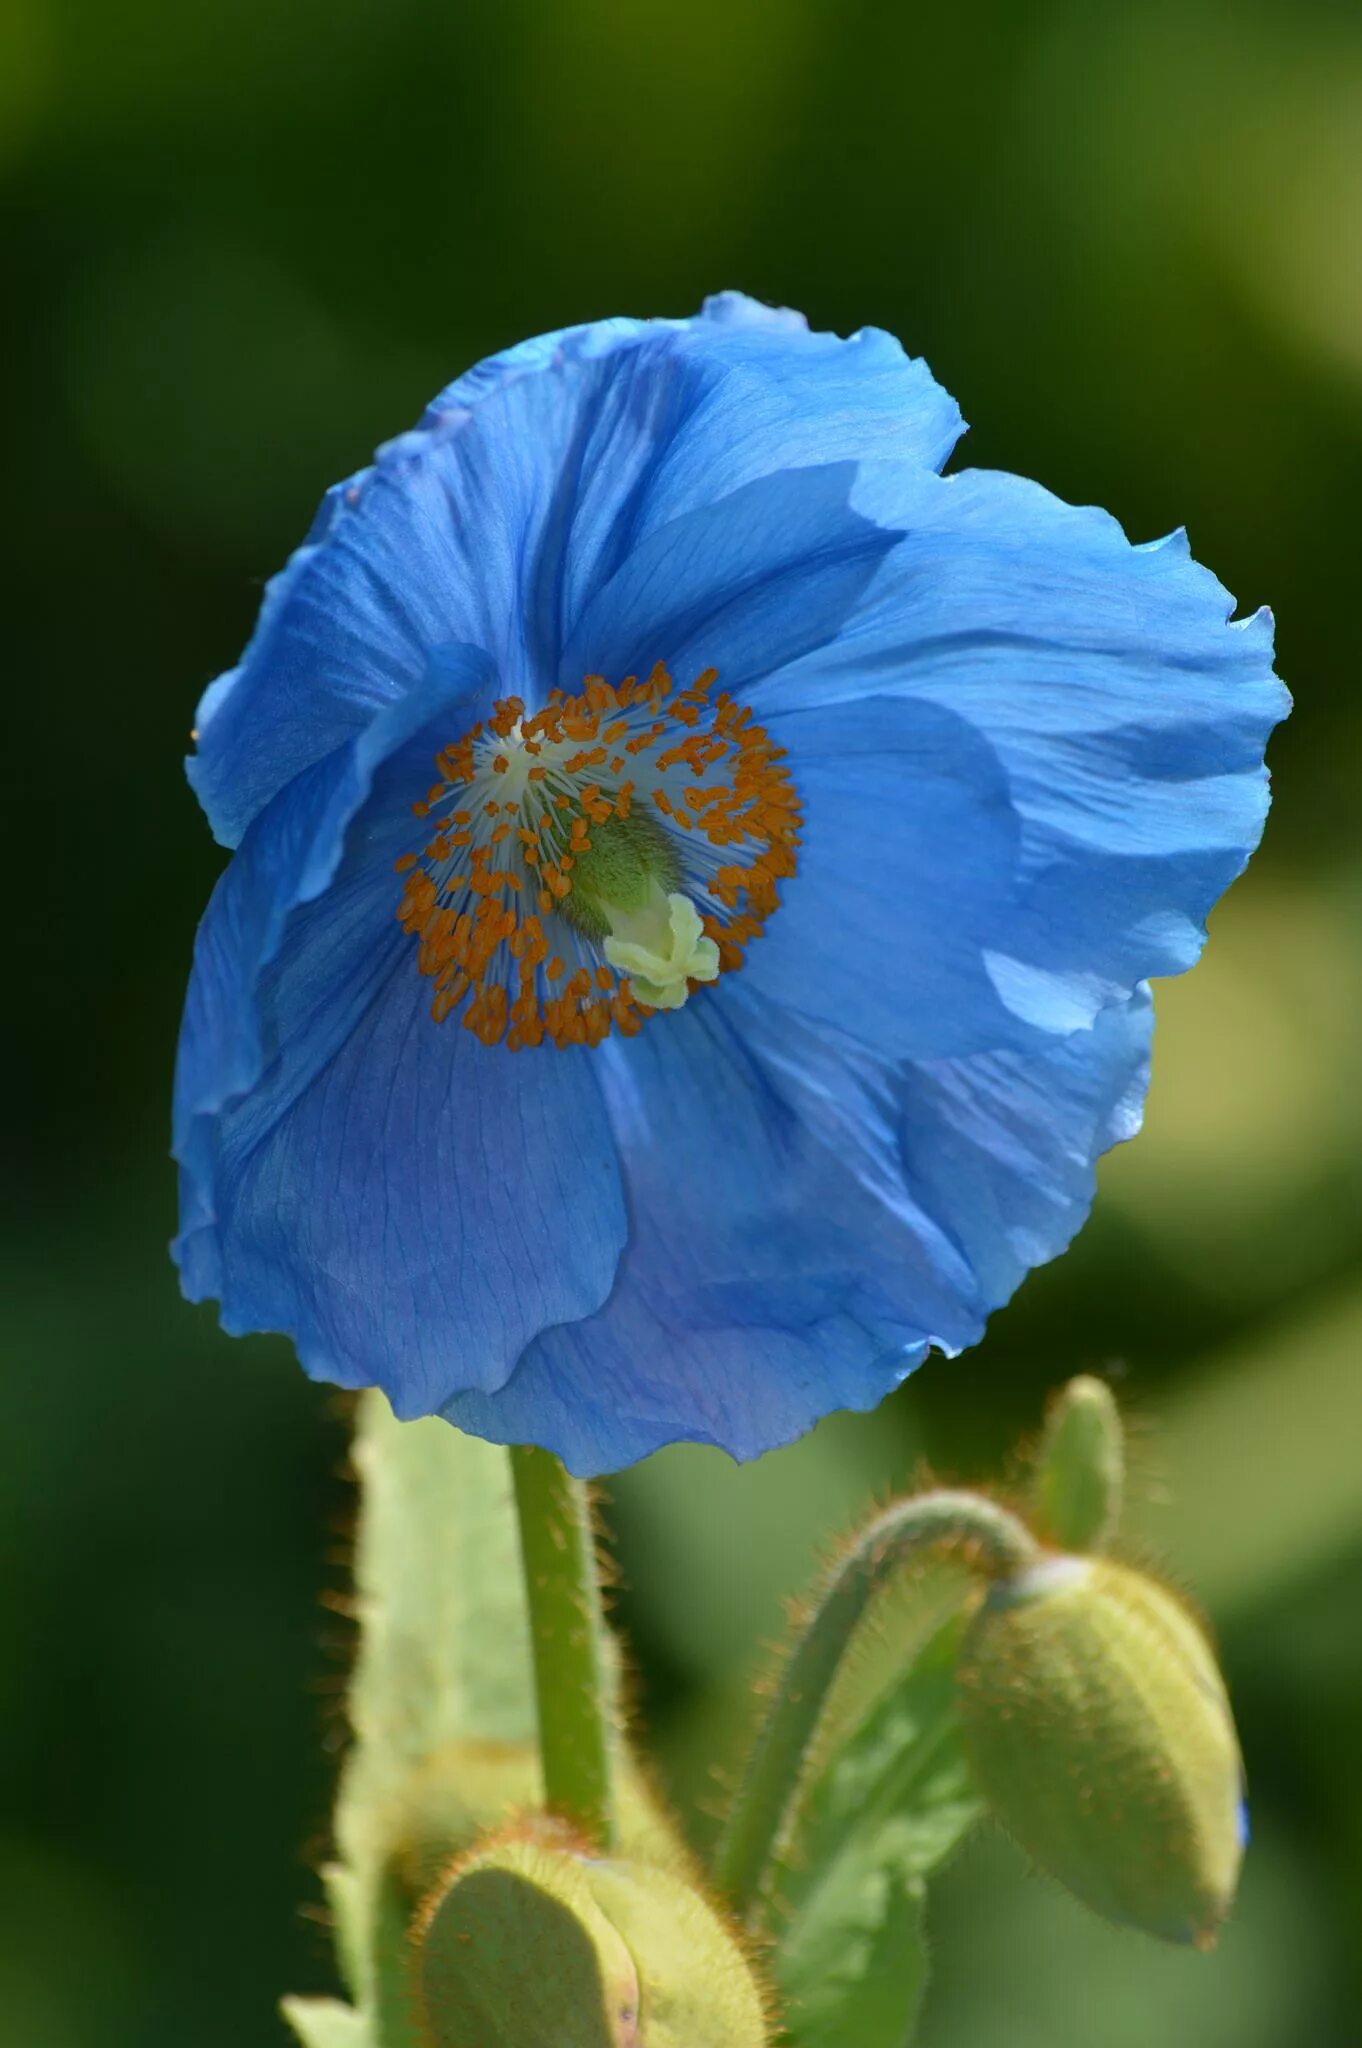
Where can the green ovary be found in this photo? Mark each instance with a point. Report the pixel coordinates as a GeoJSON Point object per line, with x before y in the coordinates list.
{"type": "Point", "coordinates": [624, 896]}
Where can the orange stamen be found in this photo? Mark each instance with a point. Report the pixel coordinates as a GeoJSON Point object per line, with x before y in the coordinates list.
{"type": "Point", "coordinates": [493, 960]}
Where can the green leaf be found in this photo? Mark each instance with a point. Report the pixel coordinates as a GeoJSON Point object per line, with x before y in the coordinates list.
{"type": "Point", "coordinates": [441, 1704]}
{"type": "Point", "coordinates": [892, 1800]}
{"type": "Point", "coordinates": [326, 2023]}
{"type": "Point", "coordinates": [859, 1969]}
{"type": "Point", "coordinates": [348, 1929]}
{"type": "Point", "coordinates": [443, 1666]}
{"type": "Point", "coordinates": [445, 1651]}
{"type": "Point", "coordinates": [441, 1699]}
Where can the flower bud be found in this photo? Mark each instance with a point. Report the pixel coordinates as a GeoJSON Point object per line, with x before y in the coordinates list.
{"type": "Point", "coordinates": [1081, 1466]}
{"type": "Point", "coordinates": [533, 1941]}
{"type": "Point", "coordinates": [516, 1952]}
{"type": "Point", "coordinates": [697, 1988]}
{"type": "Point", "coordinates": [1097, 1728]}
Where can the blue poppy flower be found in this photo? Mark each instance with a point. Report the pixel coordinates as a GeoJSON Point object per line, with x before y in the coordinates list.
{"type": "Point", "coordinates": [696, 876]}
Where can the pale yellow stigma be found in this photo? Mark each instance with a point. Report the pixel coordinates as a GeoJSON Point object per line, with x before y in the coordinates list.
{"type": "Point", "coordinates": [662, 948]}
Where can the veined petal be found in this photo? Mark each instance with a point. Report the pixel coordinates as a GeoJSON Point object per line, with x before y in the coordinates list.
{"type": "Point", "coordinates": [744, 586]}
{"type": "Point", "coordinates": [408, 1204]}
{"type": "Point", "coordinates": [747, 1302]}
{"type": "Point", "coordinates": [864, 1212]}
{"type": "Point", "coordinates": [1126, 716]}
{"type": "Point", "coordinates": [907, 874]}
{"type": "Point", "coordinates": [1001, 1149]}
{"type": "Point", "coordinates": [528, 483]}
{"type": "Point", "coordinates": [804, 398]}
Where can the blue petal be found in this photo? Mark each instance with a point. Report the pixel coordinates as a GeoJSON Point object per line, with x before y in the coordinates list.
{"type": "Point", "coordinates": [527, 485]}
{"type": "Point", "coordinates": [907, 875]}
{"type": "Point", "coordinates": [805, 1221]}
{"type": "Point", "coordinates": [746, 585]}
{"type": "Point", "coordinates": [773, 394]}
{"type": "Point", "coordinates": [1001, 1149]}
{"type": "Point", "coordinates": [751, 1297]}
{"type": "Point", "coordinates": [409, 1205]}
{"type": "Point", "coordinates": [1126, 718]}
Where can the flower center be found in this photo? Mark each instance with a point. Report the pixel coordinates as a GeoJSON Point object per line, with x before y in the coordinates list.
{"type": "Point", "coordinates": [597, 860]}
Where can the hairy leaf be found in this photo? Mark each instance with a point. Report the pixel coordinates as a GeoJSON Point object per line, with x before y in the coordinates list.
{"type": "Point", "coordinates": [326, 2023]}
{"type": "Point", "coordinates": [441, 1702]}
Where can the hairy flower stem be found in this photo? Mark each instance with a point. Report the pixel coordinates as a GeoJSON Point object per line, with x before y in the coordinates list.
{"type": "Point", "coordinates": [984, 1536]}
{"type": "Point", "coordinates": [567, 1634]}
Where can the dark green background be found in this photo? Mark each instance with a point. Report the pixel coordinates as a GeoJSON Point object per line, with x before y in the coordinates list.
{"type": "Point", "coordinates": [244, 243]}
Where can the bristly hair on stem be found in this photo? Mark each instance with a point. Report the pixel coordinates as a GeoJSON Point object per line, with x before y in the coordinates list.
{"type": "Point", "coordinates": [985, 1536]}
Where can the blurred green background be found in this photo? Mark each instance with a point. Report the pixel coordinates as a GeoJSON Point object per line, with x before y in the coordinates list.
{"type": "Point", "coordinates": [245, 243]}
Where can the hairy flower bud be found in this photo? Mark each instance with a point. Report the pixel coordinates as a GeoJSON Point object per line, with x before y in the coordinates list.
{"type": "Point", "coordinates": [1098, 1729]}
{"type": "Point", "coordinates": [697, 1989]}
{"type": "Point", "coordinates": [532, 1941]}
{"type": "Point", "coordinates": [1081, 1466]}
{"type": "Point", "coordinates": [516, 1951]}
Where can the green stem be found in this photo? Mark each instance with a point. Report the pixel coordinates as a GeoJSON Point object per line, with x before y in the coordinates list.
{"type": "Point", "coordinates": [989, 1539]}
{"type": "Point", "coordinates": [567, 1633]}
